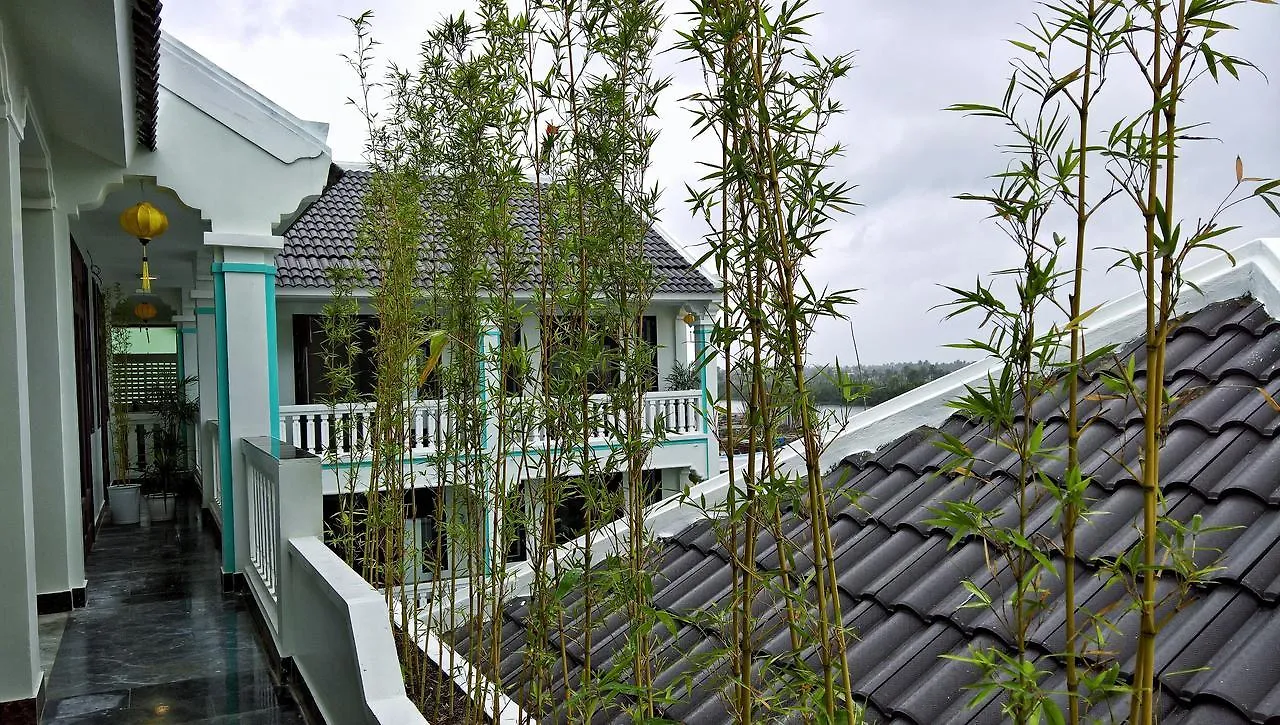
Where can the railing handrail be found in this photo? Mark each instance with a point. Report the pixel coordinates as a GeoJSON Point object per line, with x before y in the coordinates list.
{"type": "Point", "coordinates": [362, 406]}
{"type": "Point", "coordinates": [673, 394]}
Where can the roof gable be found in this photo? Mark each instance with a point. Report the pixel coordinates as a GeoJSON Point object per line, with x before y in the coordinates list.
{"type": "Point", "coordinates": [231, 102]}
{"type": "Point", "coordinates": [900, 583]}
{"type": "Point", "coordinates": [324, 236]}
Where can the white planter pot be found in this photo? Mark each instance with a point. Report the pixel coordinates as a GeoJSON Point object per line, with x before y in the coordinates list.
{"type": "Point", "coordinates": [161, 505]}
{"type": "Point", "coordinates": [125, 503]}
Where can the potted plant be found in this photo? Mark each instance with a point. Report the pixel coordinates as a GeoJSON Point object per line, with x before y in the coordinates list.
{"type": "Point", "coordinates": [124, 493]}
{"type": "Point", "coordinates": [168, 462]}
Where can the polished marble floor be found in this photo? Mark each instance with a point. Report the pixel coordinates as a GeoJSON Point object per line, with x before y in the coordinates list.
{"type": "Point", "coordinates": [159, 642]}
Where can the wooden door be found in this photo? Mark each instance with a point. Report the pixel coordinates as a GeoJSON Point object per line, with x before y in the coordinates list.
{"type": "Point", "coordinates": [84, 389]}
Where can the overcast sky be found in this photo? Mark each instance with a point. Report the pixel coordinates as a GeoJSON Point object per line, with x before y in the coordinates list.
{"type": "Point", "coordinates": [907, 157]}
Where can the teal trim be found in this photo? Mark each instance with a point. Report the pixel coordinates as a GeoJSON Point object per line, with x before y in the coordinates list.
{"type": "Point", "coordinates": [273, 370]}
{"type": "Point", "coordinates": [700, 348]}
{"type": "Point", "coordinates": [182, 366]}
{"type": "Point", "coordinates": [221, 267]}
{"type": "Point", "coordinates": [186, 330]}
{"type": "Point", "coordinates": [206, 310]}
{"type": "Point", "coordinates": [224, 427]}
{"type": "Point", "coordinates": [702, 440]}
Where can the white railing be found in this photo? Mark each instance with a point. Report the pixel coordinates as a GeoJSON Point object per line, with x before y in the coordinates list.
{"type": "Point", "coordinates": [211, 472]}
{"type": "Point", "coordinates": [283, 500]}
{"type": "Point", "coordinates": [345, 430]}
{"type": "Point", "coordinates": [675, 411]}
{"type": "Point", "coordinates": [264, 520]}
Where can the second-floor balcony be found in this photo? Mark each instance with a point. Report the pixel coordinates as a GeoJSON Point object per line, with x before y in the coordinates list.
{"type": "Point", "coordinates": [343, 432]}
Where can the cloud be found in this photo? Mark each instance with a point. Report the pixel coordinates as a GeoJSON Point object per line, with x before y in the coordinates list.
{"type": "Point", "coordinates": [907, 157]}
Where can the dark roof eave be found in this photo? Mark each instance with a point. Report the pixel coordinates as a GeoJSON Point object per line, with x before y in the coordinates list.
{"type": "Point", "coordinates": [145, 22]}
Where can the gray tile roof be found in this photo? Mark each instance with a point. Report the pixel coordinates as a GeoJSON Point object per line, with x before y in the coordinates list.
{"type": "Point", "coordinates": [324, 235]}
{"type": "Point", "coordinates": [1218, 657]}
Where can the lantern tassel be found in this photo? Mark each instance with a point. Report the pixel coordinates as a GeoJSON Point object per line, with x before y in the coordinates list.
{"type": "Point", "coordinates": [146, 269]}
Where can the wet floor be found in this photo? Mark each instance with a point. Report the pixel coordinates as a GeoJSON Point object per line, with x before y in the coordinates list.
{"type": "Point", "coordinates": [159, 642]}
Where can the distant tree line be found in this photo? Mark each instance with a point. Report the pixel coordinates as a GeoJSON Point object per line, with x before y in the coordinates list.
{"type": "Point", "coordinates": [860, 385]}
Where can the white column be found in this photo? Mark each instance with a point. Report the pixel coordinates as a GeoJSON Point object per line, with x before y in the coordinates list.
{"type": "Point", "coordinates": [248, 399]}
{"type": "Point", "coordinates": [206, 351]}
{"type": "Point", "coordinates": [54, 425]}
{"type": "Point", "coordinates": [189, 367]}
{"type": "Point", "coordinates": [19, 651]}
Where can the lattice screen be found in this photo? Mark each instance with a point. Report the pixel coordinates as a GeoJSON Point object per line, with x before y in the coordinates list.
{"type": "Point", "coordinates": [142, 375]}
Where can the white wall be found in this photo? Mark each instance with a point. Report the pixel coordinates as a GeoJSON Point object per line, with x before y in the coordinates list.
{"type": "Point", "coordinates": [342, 641]}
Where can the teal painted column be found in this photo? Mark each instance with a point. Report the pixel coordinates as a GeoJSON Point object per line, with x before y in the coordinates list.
{"type": "Point", "coordinates": [248, 402]}
{"type": "Point", "coordinates": [701, 354]}
{"type": "Point", "coordinates": [226, 477]}
{"type": "Point", "coordinates": [207, 388]}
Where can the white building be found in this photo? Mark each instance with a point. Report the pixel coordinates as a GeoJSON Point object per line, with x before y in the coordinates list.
{"type": "Point", "coordinates": [100, 112]}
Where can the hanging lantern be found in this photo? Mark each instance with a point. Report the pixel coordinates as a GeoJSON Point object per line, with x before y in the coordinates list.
{"type": "Point", "coordinates": [144, 311]}
{"type": "Point", "coordinates": [145, 222]}
{"type": "Point", "coordinates": [689, 318]}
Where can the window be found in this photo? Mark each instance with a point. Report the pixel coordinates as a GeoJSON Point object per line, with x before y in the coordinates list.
{"type": "Point", "coordinates": [310, 382]}
{"type": "Point", "coordinates": [426, 538]}
{"type": "Point", "coordinates": [431, 387]}
{"type": "Point", "coordinates": [565, 333]}
{"type": "Point", "coordinates": [518, 543]}
{"type": "Point", "coordinates": [649, 335]}
{"type": "Point", "coordinates": [513, 377]}
{"type": "Point", "coordinates": [571, 510]}
{"type": "Point", "coordinates": [426, 534]}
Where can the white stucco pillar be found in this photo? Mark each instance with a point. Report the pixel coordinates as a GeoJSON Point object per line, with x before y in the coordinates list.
{"type": "Point", "coordinates": [19, 649]}
{"type": "Point", "coordinates": [248, 395]}
{"type": "Point", "coordinates": [206, 336]}
{"type": "Point", "coordinates": [54, 424]}
{"type": "Point", "coordinates": [189, 368]}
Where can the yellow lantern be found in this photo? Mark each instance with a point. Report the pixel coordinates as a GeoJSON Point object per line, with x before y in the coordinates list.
{"type": "Point", "coordinates": [690, 318]}
{"type": "Point", "coordinates": [144, 311]}
{"type": "Point", "coordinates": [145, 222]}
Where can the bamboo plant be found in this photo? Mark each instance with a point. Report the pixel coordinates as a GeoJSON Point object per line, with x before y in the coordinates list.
{"type": "Point", "coordinates": [769, 199]}
{"type": "Point", "coordinates": [1062, 89]}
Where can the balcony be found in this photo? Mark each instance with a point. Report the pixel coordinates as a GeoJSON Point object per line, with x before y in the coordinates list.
{"type": "Point", "coordinates": [343, 432]}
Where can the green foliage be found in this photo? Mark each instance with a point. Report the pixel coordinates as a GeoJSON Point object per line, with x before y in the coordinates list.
{"type": "Point", "coordinates": [115, 340]}
{"type": "Point", "coordinates": [684, 377]}
{"type": "Point", "coordinates": [769, 199]}
{"type": "Point", "coordinates": [1058, 74]}
{"type": "Point", "coordinates": [864, 385]}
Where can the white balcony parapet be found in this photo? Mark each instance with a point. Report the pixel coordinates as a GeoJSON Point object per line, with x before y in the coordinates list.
{"type": "Point", "coordinates": [676, 411]}
{"type": "Point", "coordinates": [342, 641]}
{"type": "Point", "coordinates": [284, 501]}
{"type": "Point", "coordinates": [343, 431]}
{"type": "Point", "coordinates": [319, 613]}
